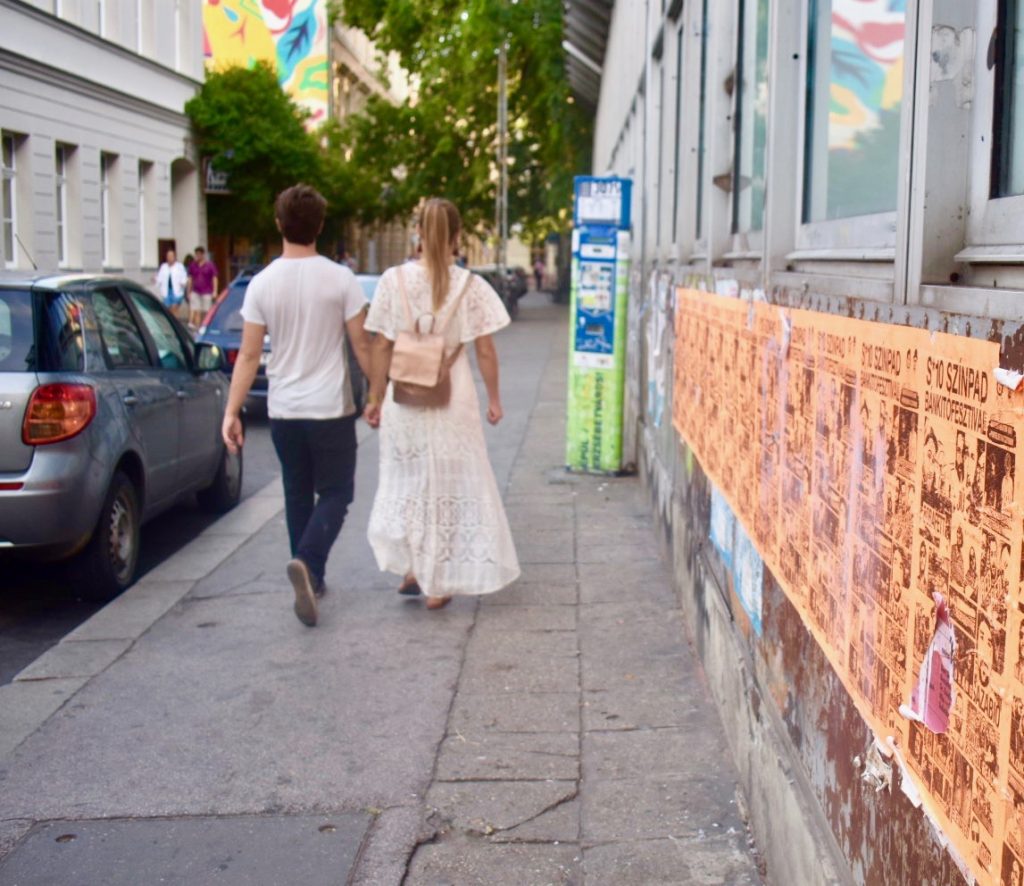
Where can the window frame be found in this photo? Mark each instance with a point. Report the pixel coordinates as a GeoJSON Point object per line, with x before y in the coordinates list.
{"type": "Point", "coordinates": [9, 220]}
{"type": "Point", "coordinates": [995, 224]}
{"type": "Point", "coordinates": [60, 187]}
{"type": "Point", "coordinates": [116, 293]}
{"type": "Point", "coordinates": [863, 237]}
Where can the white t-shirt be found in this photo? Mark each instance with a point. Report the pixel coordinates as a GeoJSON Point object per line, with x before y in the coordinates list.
{"type": "Point", "coordinates": [304, 303]}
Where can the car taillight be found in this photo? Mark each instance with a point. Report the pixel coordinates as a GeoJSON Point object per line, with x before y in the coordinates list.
{"type": "Point", "coordinates": [232, 355]}
{"type": "Point", "coordinates": [57, 412]}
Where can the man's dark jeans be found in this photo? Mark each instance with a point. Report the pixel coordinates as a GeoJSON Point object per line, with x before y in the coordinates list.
{"type": "Point", "coordinates": [318, 467]}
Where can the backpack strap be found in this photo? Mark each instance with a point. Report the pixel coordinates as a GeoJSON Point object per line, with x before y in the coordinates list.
{"type": "Point", "coordinates": [455, 303]}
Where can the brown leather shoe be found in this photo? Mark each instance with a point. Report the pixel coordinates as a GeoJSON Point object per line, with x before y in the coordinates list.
{"type": "Point", "coordinates": [305, 597]}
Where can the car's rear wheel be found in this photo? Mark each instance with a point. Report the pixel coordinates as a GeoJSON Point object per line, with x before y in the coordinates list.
{"type": "Point", "coordinates": [225, 491]}
{"type": "Point", "coordinates": [109, 561]}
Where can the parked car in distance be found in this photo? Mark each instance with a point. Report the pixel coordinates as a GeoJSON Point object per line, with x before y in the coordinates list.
{"type": "Point", "coordinates": [109, 414]}
{"type": "Point", "coordinates": [222, 326]}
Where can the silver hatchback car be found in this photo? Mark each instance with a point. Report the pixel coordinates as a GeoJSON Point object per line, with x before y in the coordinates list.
{"type": "Point", "coordinates": [109, 414]}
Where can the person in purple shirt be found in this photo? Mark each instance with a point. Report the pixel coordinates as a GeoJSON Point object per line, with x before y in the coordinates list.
{"type": "Point", "coordinates": [202, 287]}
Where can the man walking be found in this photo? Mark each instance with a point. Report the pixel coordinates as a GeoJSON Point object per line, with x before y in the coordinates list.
{"type": "Point", "coordinates": [203, 277]}
{"type": "Point", "coordinates": [171, 281]}
{"type": "Point", "coordinates": [306, 303]}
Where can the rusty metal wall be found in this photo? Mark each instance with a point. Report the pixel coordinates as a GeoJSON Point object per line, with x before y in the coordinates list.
{"type": "Point", "coordinates": [883, 837]}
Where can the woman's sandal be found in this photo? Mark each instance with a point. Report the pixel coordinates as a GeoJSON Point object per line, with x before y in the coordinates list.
{"type": "Point", "coordinates": [410, 589]}
{"type": "Point", "coordinates": [438, 602]}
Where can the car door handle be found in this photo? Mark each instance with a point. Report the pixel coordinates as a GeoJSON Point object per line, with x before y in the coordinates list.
{"type": "Point", "coordinates": [130, 399]}
{"type": "Point", "coordinates": [182, 395]}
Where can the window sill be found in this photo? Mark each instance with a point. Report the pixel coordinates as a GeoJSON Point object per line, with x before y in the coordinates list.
{"type": "Point", "coordinates": [870, 253]}
{"type": "Point", "coordinates": [1010, 254]}
{"type": "Point", "coordinates": [745, 255]}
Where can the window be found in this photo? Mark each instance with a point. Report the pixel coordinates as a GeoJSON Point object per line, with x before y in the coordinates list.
{"type": "Point", "coordinates": [60, 187]}
{"type": "Point", "coordinates": [105, 164]}
{"type": "Point", "coordinates": [10, 196]}
{"type": "Point", "coordinates": [169, 348]}
{"type": "Point", "coordinates": [1008, 125]}
{"type": "Point", "coordinates": [61, 338]}
{"type": "Point", "coordinates": [701, 126]}
{"type": "Point", "coordinates": [854, 98]}
{"type": "Point", "coordinates": [748, 186]}
{"type": "Point", "coordinates": [147, 258]}
{"type": "Point", "coordinates": [678, 151]}
{"type": "Point", "coordinates": [17, 339]}
{"type": "Point", "coordinates": [122, 340]}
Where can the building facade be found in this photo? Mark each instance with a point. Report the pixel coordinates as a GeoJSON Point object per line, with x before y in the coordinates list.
{"type": "Point", "coordinates": [99, 170]}
{"type": "Point", "coordinates": [825, 335]}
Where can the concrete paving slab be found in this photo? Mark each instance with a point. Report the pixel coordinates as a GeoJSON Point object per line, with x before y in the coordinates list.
{"type": "Point", "coordinates": [558, 825]}
{"type": "Point", "coordinates": [527, 618]}
{"type": "Point", "coordinates": [700, 803]}
{"type": "Point", "coordinates": [524, 644]}
{"type": "Point", "coordinates": [475, 863]}
{"type": "Point", "coordinates": [526, 593]}
{"type": "Point", "coordinates": [654, 753]}
{"type": "Point", "coordinates": [650, 708]}
{"type": "Point", "coordinates": [516, 673]}
{"type": "Point", "coordinates": [234, 851]}
{"type": "Point", "coordinates": [486, 807]}
{"type": "Point", "coordinates": [721, 861]}
{"type": "Point", "coordinates": [515, 712]}
{"type": "Point", "coordinates": [26, 707]}
{"type": "Point", "coordinates": [672, 672]}
{"type": "Point", "coordinates": [549, 573]}
{"type": "Point", "coordinates": [132, 613]}
{"type": "Point", "coordinates": [74, 658]}
{"type": "Point", "coordinates": [489, 756]}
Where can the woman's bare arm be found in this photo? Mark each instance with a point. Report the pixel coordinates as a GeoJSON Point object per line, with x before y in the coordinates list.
{"type": "Point", "coordinates": [487, 360]}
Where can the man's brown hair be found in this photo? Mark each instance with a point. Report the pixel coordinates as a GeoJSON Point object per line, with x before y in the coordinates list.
{"type": "Point", "coordinates": [300, 214]}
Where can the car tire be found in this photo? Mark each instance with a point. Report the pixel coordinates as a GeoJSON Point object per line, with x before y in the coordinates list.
{"type": "Point", "coordinates": [108, 563]}
{"type": "Point", "coordinates": [226, 489]}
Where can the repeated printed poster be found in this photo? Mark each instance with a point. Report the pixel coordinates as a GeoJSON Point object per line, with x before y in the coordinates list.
{"type": "Point", "coordinates": [873, 467]}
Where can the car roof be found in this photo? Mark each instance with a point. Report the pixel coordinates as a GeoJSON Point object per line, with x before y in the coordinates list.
{"type": "Point", "coordinates": [61, 281]}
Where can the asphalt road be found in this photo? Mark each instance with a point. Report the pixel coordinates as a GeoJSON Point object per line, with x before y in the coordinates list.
{"type": "Point", "coordinates": [38, 605]}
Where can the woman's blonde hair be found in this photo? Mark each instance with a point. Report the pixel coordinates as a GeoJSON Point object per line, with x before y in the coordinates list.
{"type": "Point", "coordinates": [440, 226]}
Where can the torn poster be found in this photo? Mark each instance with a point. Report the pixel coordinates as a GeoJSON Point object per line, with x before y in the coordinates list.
{"type": "Point", "coordinates": [932, 698]}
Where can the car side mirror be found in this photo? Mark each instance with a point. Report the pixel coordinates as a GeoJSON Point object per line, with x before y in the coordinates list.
{"type": "Point", "coordinates": [209, 357]}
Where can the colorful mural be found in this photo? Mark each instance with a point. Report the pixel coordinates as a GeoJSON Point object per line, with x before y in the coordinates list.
{"type": "Point", "coordinates": [873, 469]}
{"type": "Point", "coordinates": [290, 34]}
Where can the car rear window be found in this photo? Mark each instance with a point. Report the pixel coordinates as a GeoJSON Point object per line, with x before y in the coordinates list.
{"type": "Point", "coordinates": [17, 353]}
{"type": "Point", "coordinates": [228, 316]}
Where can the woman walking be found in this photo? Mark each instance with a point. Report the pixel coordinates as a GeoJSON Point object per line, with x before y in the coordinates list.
{"type": "Point", "coordinates": [438, 518]}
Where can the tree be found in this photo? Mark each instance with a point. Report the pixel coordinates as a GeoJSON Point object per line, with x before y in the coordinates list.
{"type": "Point", "coordinates": [441, 141]}
{"type": "Point", "coordinates": [252, 131]}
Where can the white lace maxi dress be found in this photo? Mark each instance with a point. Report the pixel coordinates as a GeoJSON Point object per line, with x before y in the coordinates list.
{"type": "Point", "coordinates": [438, 513]}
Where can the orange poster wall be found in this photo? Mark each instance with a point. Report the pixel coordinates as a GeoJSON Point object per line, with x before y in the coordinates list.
{"type": "Point", "coordinates": [874, 466]}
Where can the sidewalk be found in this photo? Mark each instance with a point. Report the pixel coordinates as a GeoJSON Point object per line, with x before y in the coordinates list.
{"type": "Point", "coordinates": [557, 732]}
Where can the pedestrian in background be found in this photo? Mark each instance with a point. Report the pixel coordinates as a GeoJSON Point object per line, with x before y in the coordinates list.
{"type": "Point", "coordinates": [171, 281]}
{"type": "Point", "coordinates": [306, 302]}
{"type": "Point", "coordinates": [202, 285]}
{"type": "Point", "coordinates": [538, 272]}
{"type": "Point", "coordinates": [438, 519]}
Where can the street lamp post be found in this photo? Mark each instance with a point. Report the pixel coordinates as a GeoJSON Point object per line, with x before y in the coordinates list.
{"type": "Point", "coordinates": [501, 209]}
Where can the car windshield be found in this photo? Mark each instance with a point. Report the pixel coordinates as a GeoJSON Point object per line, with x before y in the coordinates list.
{"type": "Point", "coordinates": [17, 351]}
{"type": "Point", "coordinates": [228, 316]}
{"type": "Point", "coordinates": [60, 346]}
